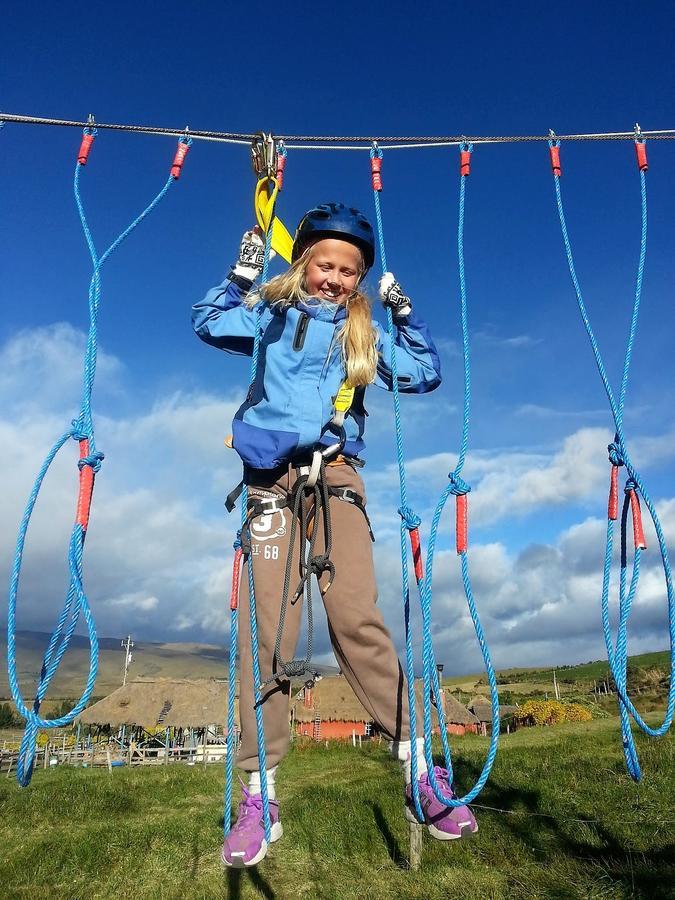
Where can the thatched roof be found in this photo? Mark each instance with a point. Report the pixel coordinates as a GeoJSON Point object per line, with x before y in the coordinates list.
{"type": "Point", "coordinates": [482, 708]}
{"type": "Point", "coordinates": [456, 713]}
{"type": "Point", "coordinates": [334, 700]}
{"type": "Point", "coordinates": [186, 704]}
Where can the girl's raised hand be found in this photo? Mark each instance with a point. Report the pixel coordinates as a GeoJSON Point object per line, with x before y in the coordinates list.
{"type": "Point", "coordinates": [391, 294]}
{"type": "Point", "coordinates": [251, 254]}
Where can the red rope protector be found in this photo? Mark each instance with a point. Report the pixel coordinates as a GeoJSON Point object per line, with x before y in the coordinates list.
{"type": "Point", "coordinates": [85, 147]}
{"type": "Point", "coordinates": [375, 170]}
{"type": "Point", "coordinates": [462, 523]}
{"type": "Point", "coordinates": [613, 503]}
{"type": "Point", "coordinates": [281, 165]}
{"type": "Point", "coordinates": [86, 487]}
{"type": "Point", "coordinates": [417, 553]}
{"type": "Point", "coordinates": [464, 162]}
{"type": "Point", "coordinates": [179, 159]}
{"type": "Point", "coordinates": [638, 532]}
{"type": "Point", "coordinates": [555, 161]}
{"type": "Point", "coordinates": [641, 155]}
{"type": "Point", "coordinates": [236, 567]}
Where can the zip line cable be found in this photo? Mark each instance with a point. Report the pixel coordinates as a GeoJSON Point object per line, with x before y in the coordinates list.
{"type": "Point", "coordinates": [339, 142]}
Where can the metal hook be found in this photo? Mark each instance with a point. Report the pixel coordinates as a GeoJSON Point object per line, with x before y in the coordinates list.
{"type": "Point", "coordinates": [638, 132]}
{"type": "Point", "coordinates": [264, 154]}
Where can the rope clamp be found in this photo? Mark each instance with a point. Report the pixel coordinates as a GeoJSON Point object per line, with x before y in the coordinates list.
{"type": "Point", "coordinates": [376, 167]}
{"type": "Point", "coordinates": [87, 141]}
{"type": "Point", "coordinates": [554, 151]}
{"type": "Point", "coordinates": [416, 553]}
{"type": "Point", "coordinates": [181, 152]}
{"type": "Point", "coordinates": [465, 158]}
{"type": "Point", "coordinates": [236, 570]}
{"type": "Point", "coordinates": [264, 156]}
{"type": "Point", "coordinates": [281, 164]}
{"type": "Point", "coordinates": [636, 513]}
{"type": "Point", "coordinates": [640, 149]}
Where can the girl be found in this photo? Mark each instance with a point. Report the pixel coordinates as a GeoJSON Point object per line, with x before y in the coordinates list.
{"type": "Point", "coordinates": [301, 454]}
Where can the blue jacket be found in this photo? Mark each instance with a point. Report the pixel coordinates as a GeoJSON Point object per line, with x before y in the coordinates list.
{"type": "Point", "coordinates": [289, 405]}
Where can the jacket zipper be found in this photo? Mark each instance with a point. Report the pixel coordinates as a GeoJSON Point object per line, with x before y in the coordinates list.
{"type": "Point", "coordinates": [301, 331]}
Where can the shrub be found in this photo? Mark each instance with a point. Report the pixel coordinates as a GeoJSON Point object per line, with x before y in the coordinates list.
{"type": "Point", "coordinates": [550, 712]}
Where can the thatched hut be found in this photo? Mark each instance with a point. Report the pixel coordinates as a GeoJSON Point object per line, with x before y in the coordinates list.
{"type": "Point", "coordinates": [162, 702]}
{"type": "Point", "coordinates": [329, 709]}
{"type": "Point", "coordinates": [482, 708]}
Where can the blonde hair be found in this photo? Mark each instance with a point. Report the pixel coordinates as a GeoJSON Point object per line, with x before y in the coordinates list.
{"type": "Point", "coordinates": [357, 336]}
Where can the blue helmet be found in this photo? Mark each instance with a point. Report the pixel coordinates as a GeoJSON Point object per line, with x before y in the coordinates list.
{"type": "Point", "coordinates": [335, 220]}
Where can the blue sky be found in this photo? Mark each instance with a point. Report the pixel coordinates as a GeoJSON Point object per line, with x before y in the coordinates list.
{"type": "Point", "coordinates": [159, 544]}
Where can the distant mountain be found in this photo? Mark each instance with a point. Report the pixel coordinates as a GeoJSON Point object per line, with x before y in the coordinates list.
{"type": "Point", "coordinates": [150, 660]}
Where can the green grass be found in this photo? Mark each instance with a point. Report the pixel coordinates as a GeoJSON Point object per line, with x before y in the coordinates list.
{"type": "Point", "coordinates": [581, 828]}
{"type": "Point", "coordinates": [588, 672]}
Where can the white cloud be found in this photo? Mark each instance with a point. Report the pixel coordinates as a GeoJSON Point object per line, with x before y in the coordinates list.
{"type": "Point", "coordinates": [159, 552]}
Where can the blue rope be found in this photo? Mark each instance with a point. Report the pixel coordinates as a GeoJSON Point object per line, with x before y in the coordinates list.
{"type": "Point", "coordinates": [617, 653]}
{"type": "Point", "coordinates": [76, 602]}
{"type": "Point", "coordinates": [457, 487]}
{"type": "Point", "coordinates": [409, 521]}
{"type": "Point", "coordinates": [255, 658]}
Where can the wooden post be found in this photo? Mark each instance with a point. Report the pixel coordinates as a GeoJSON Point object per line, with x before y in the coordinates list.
{"type": "Point", "coordinates": [44, 765]}
{"type": "Point", "coordinates": [130, 752]}
{"type": "Point", "coordinates": [92, 755]}
{"type": "Point", "coordinates": [416, 832]}
{"type": "Point", "coordinates": [11, 760]}
{"type": "Point", "coordinates": [166, 747]}
{"type": "Point", "coordinates": [107, 753]}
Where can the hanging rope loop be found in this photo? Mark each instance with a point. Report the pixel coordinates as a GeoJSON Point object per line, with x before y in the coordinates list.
{"type": "Point", "coordinates": [617, 653]}
{"type": "Point", "coordinates": [81, 429]}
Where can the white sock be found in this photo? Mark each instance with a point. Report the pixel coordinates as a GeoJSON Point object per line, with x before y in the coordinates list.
{"type": "Point", "coordinates": [254, 783]}
{"type": "Point", "coordinates": [402, 750]}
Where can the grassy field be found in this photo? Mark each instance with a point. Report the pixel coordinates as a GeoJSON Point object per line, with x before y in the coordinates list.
{"type": "Point", "coordinates": [576, 827]}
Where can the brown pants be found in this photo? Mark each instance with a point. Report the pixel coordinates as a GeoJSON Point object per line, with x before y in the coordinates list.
{"type": "Point", "coordinates": [361, 642]}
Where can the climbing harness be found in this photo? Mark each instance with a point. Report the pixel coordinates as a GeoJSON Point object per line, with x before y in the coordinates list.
{"type": "Point", "coordinates": [411, 522]}
{"type": "Point", "coordinates": [618, 456]}
{"type": "Point", "coordinates": [89, 463]}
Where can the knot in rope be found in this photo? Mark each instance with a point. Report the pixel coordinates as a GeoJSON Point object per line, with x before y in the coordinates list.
{"type": "Point", "coordinates": [294, 668]}
{"type": "Point", "coordinates": [631, 485]}
{"type": "Point", "coordinates": [94, 460]}
{"type": "Point", "coordinates": [410, 519]}
{"type": "Point", "coordinates": [615, 453]}
{"type": "Point", "coordinates": [78, 430]}
{"type": "Point", "coordinates": [236, 544]}
{"type": "Point", "coordinates": [320, 564]}
{"type": "Point", "coordinates": [458, 486]}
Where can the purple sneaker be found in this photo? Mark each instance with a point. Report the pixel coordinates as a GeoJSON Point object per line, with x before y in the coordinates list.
{"type": "Point", "coordinates": [445, 823]}
{"type": "Point", "coordinates": [245, 845]}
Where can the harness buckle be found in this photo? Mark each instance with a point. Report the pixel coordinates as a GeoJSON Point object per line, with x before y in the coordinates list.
{"type": "Point", "coordinates": [269, 505]}
{"type": "Point", "coordinates": [347, 494]}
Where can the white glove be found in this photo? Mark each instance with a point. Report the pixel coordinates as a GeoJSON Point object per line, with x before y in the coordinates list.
{"type": "Point", "coordinates": [391, 294]}
{"type": "Point", "coordinates": [251, 255]}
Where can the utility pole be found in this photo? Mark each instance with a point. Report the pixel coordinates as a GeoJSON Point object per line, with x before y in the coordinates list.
{"type": "Point", "coordinates": [555, 686]}
{"type": "Point", "coordinates": [127, 645]}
